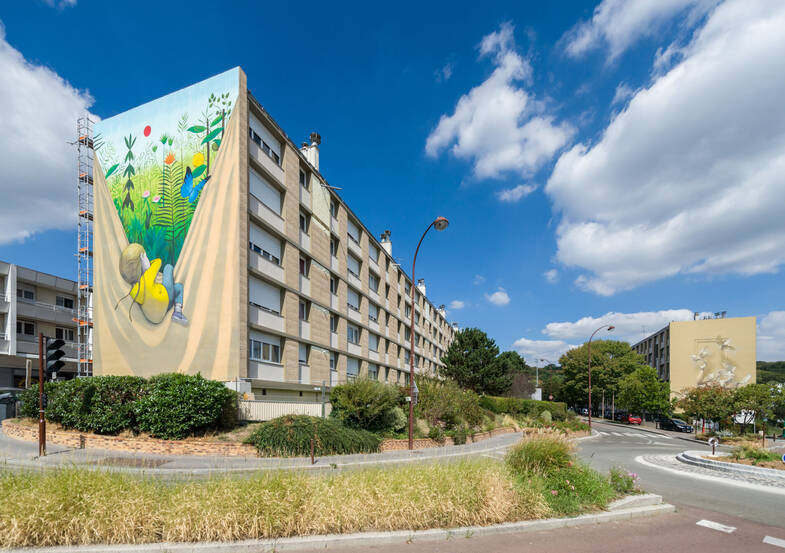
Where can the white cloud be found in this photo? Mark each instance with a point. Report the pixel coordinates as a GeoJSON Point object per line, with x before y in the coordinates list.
{"type": "Point", "coordinates": [512, 195]}
{"type": "Point", "coordinates": [444, 73]}
{"type": "Point", "coordinates": [499, 297]}
{"type": "Point", "coordinates": [689, 177]}
{"type": "Point", "coordinates": [771, 336]}
{"type": "Point", "coordinates": [498, 125]}
{"type": "Point", "coordinates": [534, 350]}
{"type": "Point", "coordinates": [60, 4]}
{"type": "Point", "coordinates": [623, 91]}
{"type": "Point", "coordinates": [631, 327]}
{"type": "Point", "coordinates": [37, 181]}
{"type": "Point", "coordinates": [457, 304]}
{"type": "Point", "coordinates": [478, 279]}
{"type": "Point", "coordinates": [551, 275]}
{"type": "Point", "coordinates": [620, 23]}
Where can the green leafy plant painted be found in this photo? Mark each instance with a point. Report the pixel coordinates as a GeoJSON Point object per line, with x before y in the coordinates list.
{"type": "Point", "coordinates": [129, 172]}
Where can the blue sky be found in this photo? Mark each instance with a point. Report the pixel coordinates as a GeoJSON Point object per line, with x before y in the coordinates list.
{"type": "Point", "coordinates": [598, 161]}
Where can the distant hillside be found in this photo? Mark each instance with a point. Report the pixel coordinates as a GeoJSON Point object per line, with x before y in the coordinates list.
{"type": "Point", "coordinates": [771, 371]}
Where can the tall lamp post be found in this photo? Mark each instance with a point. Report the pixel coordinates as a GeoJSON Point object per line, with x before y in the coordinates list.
{"type": "Point", "coordinates": [610, 328]}
{"type": "Point", "coordinates": [440, 223]}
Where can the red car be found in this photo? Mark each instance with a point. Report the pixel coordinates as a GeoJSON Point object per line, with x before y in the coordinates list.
{"type": "Point", "coordinates": [632, 419]}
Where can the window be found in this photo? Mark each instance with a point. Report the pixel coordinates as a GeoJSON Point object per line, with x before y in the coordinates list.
{"type": "Point", "coordinates": [25, 294]}
{"type": "Point", "coordinates": [264, 139]}
{"type": "Point", "coordinates": [25, 327]}
{"type": "Point", "coordinates": [66, 334]}
{"type": "Point", "coordinates": [264, 296]}
{"type": "Point", "coordinates": [353, 265]}
{"type": "Point", "coordinates": [353, 232]}
{"type": "Point", "coordinates": [353, 334]}
{"type": "Point", "coordinates": [303, 310]}
{"type": "Point", "coordinates": [353, 300]}
{"type": "Point", "coordinates": [305, 266]}
{"type": "Point", "coordinates": [305, 221]}
{"type": "Point", "coordinates": [408, 310]}
{"type": "Point", "coordinates": [333, 323]}
{"type": "Point", "coordinates": [334, 285]}
{"type": "Point", "coordinates": [352, 368]}
{"type": "Point", "coordinates": [265, 244]}
{"type": "Point", "coordinates": [373, 312]}
{"type": "Point", "coordinates": [373, 371]}
{"type": "Point", "coordinates": [61, 301]}
{"type": "Point", "coordinates": [373, 253]}
{"type": "Point", "coordinates": [333, 360]}
{"type": "Point", "coordinates": [373, 282]}
{"type": "Point", "coordinates": [334, 209]}
{"type": "Point", "coordinates": [264, 349]}
{"type": "Point", "coordinates": [408, 288]}
{"type": "Point", "coordinates": [334, 247]}
{"type": "Point", "coordinates": [304, 179]}
{"type": "Point", "coordinates": [303, 353]}
{"type": "Point", "coordinates": [263, 191]}
{"type": "Point", "coordinates": [373, 342]}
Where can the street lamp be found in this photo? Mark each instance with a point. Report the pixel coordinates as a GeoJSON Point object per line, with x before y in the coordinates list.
{"type": "Point", "coordinates": [440, 223]}
{"type": "Point", "coordinates": [610, 328]}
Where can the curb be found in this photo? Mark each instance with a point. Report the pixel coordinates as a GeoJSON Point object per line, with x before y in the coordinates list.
{"type": "Point", "coordinates": [655, 432]}
{"type": "Point", "coordinates": [696, 458]}
{"type": "Point", "coordinates": [368, 539]}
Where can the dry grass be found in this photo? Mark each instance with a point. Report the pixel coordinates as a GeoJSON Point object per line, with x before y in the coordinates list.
{"type": "Point", "coordinates": [73, 507]}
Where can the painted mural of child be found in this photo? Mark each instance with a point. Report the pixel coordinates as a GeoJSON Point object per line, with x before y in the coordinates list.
{"type": "Point", "coordinates": [155, 299]}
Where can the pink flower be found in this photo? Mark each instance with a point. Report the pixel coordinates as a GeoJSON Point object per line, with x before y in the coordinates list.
{"type": "Point", "coordinates": [156, 199]}
{"type": "Point", "coordinates": [554, 492]}
{"type": "Point", "coordinates": [146, 194]}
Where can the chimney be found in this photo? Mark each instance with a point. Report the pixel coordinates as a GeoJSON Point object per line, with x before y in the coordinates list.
{"type": "Point", "coordinates": [455, 327]}
{"type": "Point", "coordinates": [386, 242]}
{"type": "Point", "coordinates": [311, 150]}
{"type": "Point", "coordinates": [442, 311]}
{"type": "Point", "coordinates": [421, 285]}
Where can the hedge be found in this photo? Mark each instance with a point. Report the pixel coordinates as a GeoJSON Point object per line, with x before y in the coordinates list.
{"type": "Point", "coordinates": [528, 407]}
{"type": "Point", "coordinates": [366, 404]}
{"type": "Point", "coordinates": [169, 406]}
{"type": "Point", "coordinates": [290, 436]}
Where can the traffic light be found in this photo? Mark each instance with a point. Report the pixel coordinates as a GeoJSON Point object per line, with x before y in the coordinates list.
{"type": "Point", "coordinates": [53, 354]}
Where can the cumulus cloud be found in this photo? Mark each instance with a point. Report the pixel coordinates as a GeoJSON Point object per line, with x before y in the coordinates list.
{"type": "Point", "coordinates": [457, 304]}
{"type": "Point", "coordinates": [618, 24]}
{"type": "Point", "coordinates": [37, 182]}
{"type": "Point", "coordinates": [688, 178]}
{"type": "Point", "coordinates": [551, 275]}
{"type": "Point", "coordinates": [499, 125]}
{"type": "Point", "coordinates": [534, 350]}
{"type": "Point", "coordinates": [512, 195]}
{"type": "Point", "coordinates": [499, 297]}
{"type": "Point", "coordinates": [478, 279]}
{"type": "Point", "coordinates": [623, 91]}
{"type": "Point", "coordinates": [771, 336]}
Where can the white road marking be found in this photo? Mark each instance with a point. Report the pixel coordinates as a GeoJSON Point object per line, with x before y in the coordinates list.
{"type": "Point", "coordinates": [618, 434]}
{"type": "Point", "coordinates": [716, 526]}
{"type": "Point", "coordinates": [774, 541]}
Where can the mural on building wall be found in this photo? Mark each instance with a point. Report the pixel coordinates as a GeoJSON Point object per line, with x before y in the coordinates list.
{"type": "Point", "coordinates": [166, 188]}
{"type": "Point", "coordinates": [714, 363]}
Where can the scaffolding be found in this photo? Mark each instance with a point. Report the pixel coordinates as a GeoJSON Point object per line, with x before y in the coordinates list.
{"type": "Point", "coordinates": [84, 252]}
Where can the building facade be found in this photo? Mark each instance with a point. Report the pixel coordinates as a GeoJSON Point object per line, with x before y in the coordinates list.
{"type": "Point", "coordinates": [703, 352]}
{"type": "Point", "coordinates": [32, 302]}
{"type": "Point", "coordinates": [255, 270]}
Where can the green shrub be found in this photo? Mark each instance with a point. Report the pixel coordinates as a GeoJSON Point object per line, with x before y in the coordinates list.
{"type": "Point", "coordinates": [542, 455]}
{"type": "Point", "coordinates": [460, 436]}
{"type": "Point", "coordinates": [446, 402]}
{"type": "Point", "coordinates": [366, 404]}
{"type": "Point", "coordinates": [174, 406]}
{"type": "Point", "coordinates": [528, 407]}
{"type": "Point", "coordinates": [291, 436]}
{"type": "Point", "coordinates": [623, 482]}
{"type": "Point", "coordinates": [576, 488]}
{"type": "Point", "coordinates": [436, 434]}
{"type": "Point", "coordinates": [399, 419]}
{"type": "Point", "coordinates": [546, 417]}
{"type": "Point", "coordinates": [754, 454]}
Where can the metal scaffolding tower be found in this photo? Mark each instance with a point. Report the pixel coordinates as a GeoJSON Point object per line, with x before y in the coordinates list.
{"type": "Point", "coordinates": [84, 252]}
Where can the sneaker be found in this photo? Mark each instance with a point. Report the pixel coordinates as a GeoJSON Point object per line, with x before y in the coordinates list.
{"type": "Point", "coordinates": [179, 318]}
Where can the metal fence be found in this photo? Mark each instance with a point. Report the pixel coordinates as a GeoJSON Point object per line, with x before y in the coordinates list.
{"type": "Point", "coordinates": [266, 410]}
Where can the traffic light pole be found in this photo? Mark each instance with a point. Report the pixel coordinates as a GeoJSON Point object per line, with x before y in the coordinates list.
{"type": "Point", "coordinates": [41, 419]}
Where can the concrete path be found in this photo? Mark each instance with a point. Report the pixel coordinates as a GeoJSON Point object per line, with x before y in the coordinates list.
{"type": "Point", "coordinates": [19, 454]}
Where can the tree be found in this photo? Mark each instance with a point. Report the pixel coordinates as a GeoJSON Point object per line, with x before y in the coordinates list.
{"type": "Point", "coordinates": [471, 362]}
{"type": "Point", "coordinates": [754, 401]}
{"type": "Point", "coordinates": [521, 385]}
{"type": "Point", "coordinates": [642, 391]}
{"type": "Point", "coordinates": [778, 395]}
{"type": "Point", "coordinates": [713, 403]}
{"type": "Point", "coordinates": [611, 360]}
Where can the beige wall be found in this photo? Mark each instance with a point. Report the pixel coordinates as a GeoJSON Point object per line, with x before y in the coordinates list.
{"type": "Point", "coordinates": [712, 351]}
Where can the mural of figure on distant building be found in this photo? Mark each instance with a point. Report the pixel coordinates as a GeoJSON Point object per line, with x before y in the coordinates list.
{"type": "Point", "coordinates": [154, 298]}
{"type": "Point", "coordinates": [716, 369]}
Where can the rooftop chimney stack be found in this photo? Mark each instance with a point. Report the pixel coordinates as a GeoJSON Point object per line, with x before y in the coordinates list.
{"type": "Point", "coordinates": [312, 151]}
{"type": "Point", "coordinates": [421, 286]}
{"type": "Point", "coordinates": [442, 311]}
{"type": "Point", "coordinates": [386, 242]}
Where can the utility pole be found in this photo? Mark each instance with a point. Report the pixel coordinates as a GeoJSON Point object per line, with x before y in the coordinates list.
{"type": "Point", "coordinates": [603, 403]}
{"type": "Point", "coordinates": [41, 419]}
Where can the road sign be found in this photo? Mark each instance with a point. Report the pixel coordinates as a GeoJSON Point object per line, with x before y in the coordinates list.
{"type": "Point", "coordinates": [713, 442]}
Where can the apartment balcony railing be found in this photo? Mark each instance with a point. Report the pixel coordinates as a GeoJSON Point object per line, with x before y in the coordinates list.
{"type": "Point", "coordinates": [45, 311]}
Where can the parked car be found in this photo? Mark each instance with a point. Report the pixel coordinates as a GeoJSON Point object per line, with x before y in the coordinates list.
{"type": "Point", "coordinates": [675, 425]}
{"type": "Point", "coordinates": [620, 416]}
{"type": "Point", "coordinates": [584, 411]}
{"type": "Point", "coordinates": [633, 419]}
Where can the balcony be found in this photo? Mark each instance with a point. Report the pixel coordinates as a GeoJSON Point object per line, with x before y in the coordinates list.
{"type": "Point", "coordinates": [257, 209]}
{"type": "Point", "coordinates": [334, 224]}
{"type": "Point", "coordinates": [354, 314]}
{"type": "Point", "coordinates": [5, 344]}
{"type": "Point", "coordinates": [354, 246]}
{"type": "Point", "coordinates": [373, 325]}
{"type": "Point", "coordinates": [268, 163]}
{"type": "Point", "coordinates": [374, 265]}
{"type": "Point", "coordinates": [354, 280]}
{"type": "Point", "coordinates": [305, 330]}
{"type": "Point", "coordinates": [354, 349]}
{"type": "Point", "coordinates": [259, 316]}
{"type": "Point", "coordinates": [305, 285]}
{"type": "Point", "coordinates": [387, 358]}
{"type": "Point", "coordinates": [262, 370]}
{"type": "Point", "coordinates": [4, 303]}
{"type": "Point", "coordinates": [335, 265]}
{"type": "Point", "coordinates": [29, 345]}
{"type": "Point", "coordinates": [373, 295]}
{"type": "Point", "coordinates": [305, 241]}
{"type": "Point", "coordinates": [334, 302]}
{"type": "Point", "coordinates": [373, 355]}
{"type": "Point", "coordinates": [333, 339]}
{"type": "Point", "coordinates": [333, 378]}
{"type": "Point", "coordinates": [305, 373]}
{"type": "Point", "coordinates": [305, 197]}
{"type": "Point", "coordinates": [29, 309]}
{"type": "Point", "coordinates": [266, 267]}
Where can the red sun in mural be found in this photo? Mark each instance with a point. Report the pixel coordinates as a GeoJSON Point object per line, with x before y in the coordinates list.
{"type": "Point", "coordinates": [147, 130]}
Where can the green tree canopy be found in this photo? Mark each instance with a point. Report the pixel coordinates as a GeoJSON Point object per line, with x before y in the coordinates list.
{"type": "Point", "coordinates": [471, 362]}
{"type": "Point", "coordinates": [641, 391]}
{"type": "Point", "coordinates": [715, 403]}
{"type": "Point", "coordinates": [757, 401]}
{"type": "Point", "coordinates": [611, 360]}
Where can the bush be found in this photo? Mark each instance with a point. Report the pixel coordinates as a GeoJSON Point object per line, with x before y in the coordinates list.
{"type": "Point", "coordinates": [366, 404]}
{"type": "Point", "coordinates": [460, 436]}
{"type": "Point", "coordinates": [545, 417]}
{"type": "Point", "coordinates": [174, 406]}
{"type": "Point", "coordinates": [291, 435]}
{"type": "Point", "coordinates": [436, 434]}
{"type": "Point", "coordinates": [446, 402]}
{"type": "Point", "coordinates": [528, 407]}
{"type": "Point", "coordinates": [623, 482]}
{"type": "Point", "coordinates": [754, 454]}
{"type": "Point", "coordinates": [541, 455]}
{"type": "Point", "coordinates": [399, 419]}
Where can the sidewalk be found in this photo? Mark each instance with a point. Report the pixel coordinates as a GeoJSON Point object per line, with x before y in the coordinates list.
{"type": "Point", "coordinates": [20, 455]}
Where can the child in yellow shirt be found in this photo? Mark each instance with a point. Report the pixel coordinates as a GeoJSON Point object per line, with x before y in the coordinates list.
{"type": "Point", "coordinates": [154, 299]}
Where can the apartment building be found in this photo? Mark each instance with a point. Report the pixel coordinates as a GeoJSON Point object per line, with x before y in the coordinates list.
{"type": "Point", "coordinates": [33, 302]}
{"type": "Point", "coordinates": [319, 298]}
{"type": "Point", "coordinates": [705, 351]}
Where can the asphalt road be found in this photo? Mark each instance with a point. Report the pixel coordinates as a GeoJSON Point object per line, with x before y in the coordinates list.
{"type": "Point", "coordinates": [739, 503]}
